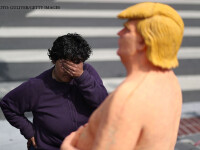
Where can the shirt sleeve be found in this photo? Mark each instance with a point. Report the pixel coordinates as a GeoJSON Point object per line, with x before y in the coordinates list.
{"type": "Point", "coordinates": [91, 86]}
{"type": "Point", "coordinates": [16, 103]}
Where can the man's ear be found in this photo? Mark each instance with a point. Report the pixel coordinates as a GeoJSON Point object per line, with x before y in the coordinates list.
{"type": "Point", "coordinates": [53, 62]}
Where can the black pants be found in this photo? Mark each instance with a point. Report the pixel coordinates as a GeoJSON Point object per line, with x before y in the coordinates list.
{"type": "Point", "coordinates": [31, 147]}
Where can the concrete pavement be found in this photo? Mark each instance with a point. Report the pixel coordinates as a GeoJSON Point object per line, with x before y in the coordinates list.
{"type": "Point", "coordinates": [11, 139]}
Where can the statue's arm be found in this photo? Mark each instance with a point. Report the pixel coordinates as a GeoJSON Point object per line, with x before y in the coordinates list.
{"type": "Point", "coordinates": [120, 128]}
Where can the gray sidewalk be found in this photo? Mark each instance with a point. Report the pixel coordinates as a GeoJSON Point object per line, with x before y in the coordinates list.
{"type": "Point", "coordinates": [11, 139]}
{"type": "Point", "coordinates": [190, 142]}
{"type": "Point", "coordinates": [190, 120]}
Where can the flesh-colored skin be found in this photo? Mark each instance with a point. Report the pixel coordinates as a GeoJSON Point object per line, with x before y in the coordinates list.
{"type": "Point", "coordinates": [144, 119]}
{"type": "Point", "coordinates": [143, 113]}
{"type": "Point", "coordinates": [65, 70]}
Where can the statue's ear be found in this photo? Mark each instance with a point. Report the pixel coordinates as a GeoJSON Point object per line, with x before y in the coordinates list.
{"type": "Point", "coordinates": [140, 43]}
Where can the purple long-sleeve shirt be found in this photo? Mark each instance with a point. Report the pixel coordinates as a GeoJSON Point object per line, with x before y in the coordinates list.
{"type": "Point", "coordinates": [58, 108]}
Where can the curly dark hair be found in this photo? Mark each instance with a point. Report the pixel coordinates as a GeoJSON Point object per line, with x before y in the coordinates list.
{"type": "Point", "coordinates": [70, 47]}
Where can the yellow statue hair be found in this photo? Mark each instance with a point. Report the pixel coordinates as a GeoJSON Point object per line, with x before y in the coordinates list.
{"type": "Point", "coordinates": [162, 29]}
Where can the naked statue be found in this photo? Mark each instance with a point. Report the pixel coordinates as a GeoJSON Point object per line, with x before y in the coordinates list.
{"type": "Point", "coordinates": [143, 112]}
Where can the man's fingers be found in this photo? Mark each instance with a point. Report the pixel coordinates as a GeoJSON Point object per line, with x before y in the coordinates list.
{"type": "Point", "coordinates": [69, 63]}
{"type": "Point", "coordinates": [65, 68]}
{"type": "Point", "coordinates": [33, 142]}
{"type": "Point", "coordinates": [74, 70]}
{"type": "Point", "coordinates": [69, 72]}
{"type": "Point", "coordinates": [73, 65]}
{"type": "Point", "coordinates": [68, 67]}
